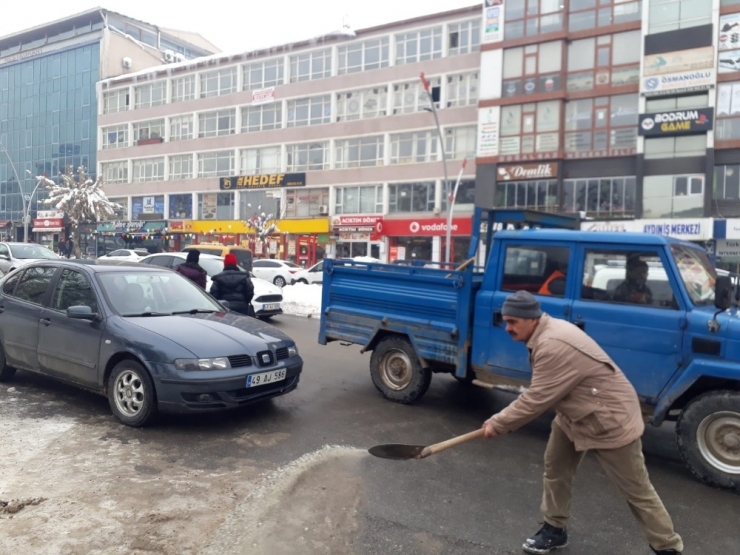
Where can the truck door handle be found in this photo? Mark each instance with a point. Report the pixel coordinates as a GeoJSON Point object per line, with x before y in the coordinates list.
{"type": "Point", "coordinates": [498, 318]}
{"type": "Point", "coordinates": [581, 325]}
{"type": "Point", "coordinates": [45, 321]}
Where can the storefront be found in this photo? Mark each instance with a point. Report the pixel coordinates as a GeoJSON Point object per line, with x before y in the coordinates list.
{"type": "Point", "coordinates": [355, 236]}
{"type": "Point", "coordinates": [424, 239]}
{"type": "Point", "coordinates": [118, 234]}
{"type": "Point", "coordinates": [530, 186]}
{"type": "Point", "coordinates": [48, 226]}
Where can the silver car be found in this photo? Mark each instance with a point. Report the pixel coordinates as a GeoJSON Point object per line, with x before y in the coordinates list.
{"type": "Point", "coordinates": [14, 255]}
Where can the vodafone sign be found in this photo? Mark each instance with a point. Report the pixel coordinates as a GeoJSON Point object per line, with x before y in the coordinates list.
{"type": "Point", "coordinates": [423, 227]}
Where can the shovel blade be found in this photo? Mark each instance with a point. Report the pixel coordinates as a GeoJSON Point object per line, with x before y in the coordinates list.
{"type": "Point", "coordinates": [396, 451]}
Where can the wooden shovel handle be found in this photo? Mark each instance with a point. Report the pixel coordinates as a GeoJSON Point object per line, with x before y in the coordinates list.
{"type": "Point", "coordinates": [437, 447]}
{"type": "Point", "coordinates": [462, 266]}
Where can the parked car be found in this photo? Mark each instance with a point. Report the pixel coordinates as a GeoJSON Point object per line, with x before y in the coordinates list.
{"type": "Point", "coordinates": [145, 337]}
{"type": "Point", "coordinates": [267, 300]}
{"type": "Point", "coordinates": [132, 255]}
{"type": "Point", "coordinates": [243, 254]}
{"type": "Point", "coordinates": [278, 272]}
{"type": "Point", "coordinates": [13, 255]}
{"type": "Point", "coordinates": [314, 274]}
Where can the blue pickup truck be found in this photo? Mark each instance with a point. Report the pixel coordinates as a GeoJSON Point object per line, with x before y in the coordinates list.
{"type": "Point", "coordinates": [676, 335]}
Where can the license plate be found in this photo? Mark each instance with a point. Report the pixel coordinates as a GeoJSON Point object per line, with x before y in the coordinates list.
{"type": "Point", "coordinates": [253, 380]}
{"type": "Point", "coordinates": [271, 307]}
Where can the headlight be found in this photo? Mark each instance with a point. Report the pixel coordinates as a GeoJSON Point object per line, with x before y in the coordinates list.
{"type": "Point", "coordinates": [292, 351]}
{"type": "Point", "coordinates": [218, 363]}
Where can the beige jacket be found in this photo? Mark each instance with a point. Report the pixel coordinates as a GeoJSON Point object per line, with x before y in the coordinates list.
{"type": "Point", "coordinates": [595, 404]}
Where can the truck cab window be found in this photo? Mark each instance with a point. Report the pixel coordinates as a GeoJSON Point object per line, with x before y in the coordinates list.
{"type": "Point", "coordinates": [538, 269]}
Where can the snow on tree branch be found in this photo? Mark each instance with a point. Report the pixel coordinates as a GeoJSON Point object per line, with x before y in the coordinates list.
{"type": "Point", "coordinates": [83, 199]}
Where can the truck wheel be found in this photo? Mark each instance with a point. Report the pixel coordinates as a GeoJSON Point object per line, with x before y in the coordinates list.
{"type": "Point", "coordinates": [708, 434]}
{"type": "Point", "coordinates": [396, 371]}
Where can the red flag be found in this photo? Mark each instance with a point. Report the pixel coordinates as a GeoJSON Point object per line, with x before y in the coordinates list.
{"type": "Point", "coordinates": [424, 82]}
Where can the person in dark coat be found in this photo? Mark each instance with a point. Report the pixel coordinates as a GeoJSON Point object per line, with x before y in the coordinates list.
{"type": "Point", "coordinates": [233, 285]}
{"type": "Point", "coordinates": [192, 270]}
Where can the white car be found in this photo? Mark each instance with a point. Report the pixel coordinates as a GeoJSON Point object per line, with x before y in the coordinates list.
{"type": "Point", "coordinates": [278, 272]}
{"type": "Point", "coordinates": [314, 274]}
{"type": "Point", "coordinates": [130, 255]}
{"type": "Point", "coordinates": [14, 255]}
{"type": "Point", "coordinates": [267, 300]}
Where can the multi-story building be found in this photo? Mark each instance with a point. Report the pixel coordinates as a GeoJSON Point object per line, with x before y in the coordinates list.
{"type": "Point", "coordinates": [622, 110]}
{"type": "Point", "coordinates": [347, 112]}
{"type": "Point", "coordinates": [48, 104]}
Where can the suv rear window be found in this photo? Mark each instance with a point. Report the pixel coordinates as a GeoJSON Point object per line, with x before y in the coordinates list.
{"type": "Point", "coordinates": [214, 251]}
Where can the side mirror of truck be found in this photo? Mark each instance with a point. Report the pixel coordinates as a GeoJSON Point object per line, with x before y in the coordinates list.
{"type": "Point", "coordinates": [723, 293]}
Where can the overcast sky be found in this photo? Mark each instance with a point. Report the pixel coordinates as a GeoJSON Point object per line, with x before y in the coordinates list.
{"type": "Point", "coordinates": [234, 25]}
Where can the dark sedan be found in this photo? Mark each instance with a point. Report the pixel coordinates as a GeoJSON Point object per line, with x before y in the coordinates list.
{"type": "Point", "coordinates": [145, 337]}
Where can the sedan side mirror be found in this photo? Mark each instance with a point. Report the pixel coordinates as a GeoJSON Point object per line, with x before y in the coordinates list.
{"type": "Point", "coordinates": [723, 293]}
{"type": "Point", "coordinates": [4, 257]}
{"type": "Point", "coordinates": [81, 313]}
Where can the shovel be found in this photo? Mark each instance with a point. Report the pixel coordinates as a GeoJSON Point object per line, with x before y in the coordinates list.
{"type": "Point", "coordinates": [401, 452]}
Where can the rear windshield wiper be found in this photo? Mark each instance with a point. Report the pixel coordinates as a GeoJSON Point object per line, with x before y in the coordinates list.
{"type": "Point", "coordinates": [196, 311]}
{"type": "Point", "coordinates": [147, 314]}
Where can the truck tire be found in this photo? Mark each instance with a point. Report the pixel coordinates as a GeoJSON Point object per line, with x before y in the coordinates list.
{"type": "Point", "coordinates": [396, 371]}
{"type": "Point", "coordinates": [708, 435]}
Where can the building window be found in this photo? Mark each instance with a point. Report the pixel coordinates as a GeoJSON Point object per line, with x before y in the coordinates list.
{"type": "Point", "coordinates": [462, 89]}
{"type": "Point", "coordinates": [601, 124]}
{"type": "Point", "coordinates": [460, 142]}
{"type": "Point", "coordinates": [304, 202]}
{"type": "Point", "coordinates": [262, 75]}
{"type": "Point", "coordinates": [148, 169]}
{"type": "Point", "coordinates": [181, 166]}
{"type": "Point", "coordinates": [675, 147]}
{"type": "Point", "coordinates": [181, 128]}
{"type": "Point", "coordinates": [728, 111]}
{"type": "Point", "coordinates": [216, 206]}
{"type": "Point", "coordinates": [419, 46]}
{"type": "Point", "coordinates": [532, 195]}
{"type": "Point", "coordinates": [367, 199]}
{"type": "Point", "coordinates": [608, 60]}
{"type": "Point", "coordinates": [260, 160]}
{"type": "Point", "coordinates": [120, 213]}
{"type": "Point", "coordinates": [181, 207]}
{"type": "Point", "coordinates": [115, 172]}
{"type": "Point", "coordinates": [218, 83]}
{"type": "Point", "coordinates": [602, 197]}
{"type": "Point", "coordinates": [216, 164]}
{"type": "Point", "coordinates": [415, 147]}
{"type": "Point", "coordinates": [217, 124]}
{"type": "Point", "coordinates": [465, 198]}
{"type": "Point", "coordinates": [309, 111]}
{"type": "Point", "coordinates": [115, 101]}
{"type": "Point", "coordinates": [149, 130]}
{"type": "Point", "coordinates": [411, 97]}
{"type": "Point", "coordinates": [586, 14]}
{"type": "Point", "coordinates": [153, 94]}
{"type": "Point", "coordinates": [359, 152]}
{"type": "Point", "coordinates": [727, 182]}
{"type": "Point", "coordinates": [364, 56]}
{"type": "Point", "coordinates": [262, 118]}
{"type": "Point", "coordinates": [530, 128]}
{"type": "Point", "coordinates": [463, 37]}
{"type": "Point", "coordinates": [365, 103]}
{"type": "Point", "coordinates": [307, 156]}
{"type": "Point", "coordinates": [183, 88]}
{"type": "Point", "coordinates": [115, 137]}
{"type": "Point", "coordinates": [310, 65]}
{"type": "Point", "coordinates": [673, 196]}
{"type": "Point", "coordinates": [411, 197]}
{"type": "Point", "coordinates": [532, 69]}
{"type": "Point", "coordinates": [668, 15]}
{"type": "Point", "coordinates": [539, 18]}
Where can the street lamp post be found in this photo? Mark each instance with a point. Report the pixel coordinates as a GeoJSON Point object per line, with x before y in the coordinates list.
{"type": "Point", "coordinates": [20, 188]}
{"type": "Point", "coordinates": [27, 208]}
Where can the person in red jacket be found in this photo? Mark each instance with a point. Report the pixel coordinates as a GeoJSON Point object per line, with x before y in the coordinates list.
{"type": "Point", "coordinates": [192, 270]}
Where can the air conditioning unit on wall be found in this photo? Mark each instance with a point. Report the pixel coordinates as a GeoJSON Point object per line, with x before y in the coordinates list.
{"type": "Point", "coordinates": [323, 210]}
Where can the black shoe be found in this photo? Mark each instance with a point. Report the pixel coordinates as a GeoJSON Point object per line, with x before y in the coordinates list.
{"type": "Point", "coordinates": [665, 551]}
{"type": "Point", "coordinates": [547, 539]}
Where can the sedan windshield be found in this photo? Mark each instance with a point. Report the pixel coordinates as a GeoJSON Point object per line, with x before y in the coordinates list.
{"type": "Point", "coordinates": [697, 273]}
{"type": "Point", "coordinates": [134, 293]}
{"type": "Point", "coordinates": [31, 251]}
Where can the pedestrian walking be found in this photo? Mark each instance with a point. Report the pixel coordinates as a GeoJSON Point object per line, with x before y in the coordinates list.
{"type": "Point", "coordinates": [235, 286]}
{"type": "Point", "coordinates": [596, 409]}
{"type": "Point", "coordinates": [192, 270]}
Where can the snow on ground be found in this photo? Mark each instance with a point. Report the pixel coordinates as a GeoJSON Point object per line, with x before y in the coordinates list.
{"type": "Point", "coordinates": [302, 299]}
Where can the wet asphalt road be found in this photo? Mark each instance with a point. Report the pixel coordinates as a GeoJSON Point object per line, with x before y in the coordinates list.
{"type": "Point", "coordinates": [478, 498]}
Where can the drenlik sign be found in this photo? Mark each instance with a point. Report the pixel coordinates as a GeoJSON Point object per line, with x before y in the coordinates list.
{"type": "Point", "coordinates": [681, 122]}
{"type": "Point", "coordinates": [524, 172]}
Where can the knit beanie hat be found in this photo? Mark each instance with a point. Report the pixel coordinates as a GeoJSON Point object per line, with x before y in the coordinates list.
{"type": "Point", "coordinates": [229, 260]}
{"type": "Point", "coordinates": [193, 256]}
{"type": "Point", "coordinates": [522, 304]}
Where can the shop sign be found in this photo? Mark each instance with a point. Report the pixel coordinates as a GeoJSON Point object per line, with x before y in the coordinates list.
{"type": "Point", "coordinates": [729, 32]}
{"type": "Point", "coordinates": [690, 230]}
{"type": "Point", "coordinates": [523, 172]}
{"type": "Point", "coordinates": [732, 228]}
{"type": "Point", "coordinates": [493, 21]}
{"type": "Point", "coordinates": [263, 96]}
{"type": "Point", "coordinates": [262, 181]}
{"type": "Point", "coordinates": [48, 220]}
{"type": "Point", "coordinates": [683, 60]}
{"type": "Point", "coordinates": [354, 221]}
{"type": "Point", "coordinates": [607, 153]}
{"type": "Point", "coordinates": [21, 56]}
{"type": "Point", "coordinates": [700, 80]}
{"type": "Point", "coordinates": [488, 124]}
{"type": "Point", "coordinates": [528, 157]}
{"type": "Point", "coordinates": [423, 227]}
{"type": "Point", "coordinates": [726, 248]}
{"type": "Point", "coordinates": [680, 122]}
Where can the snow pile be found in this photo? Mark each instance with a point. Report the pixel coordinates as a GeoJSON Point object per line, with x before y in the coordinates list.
{"type": "Point", "coordinates": [302, 299]}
